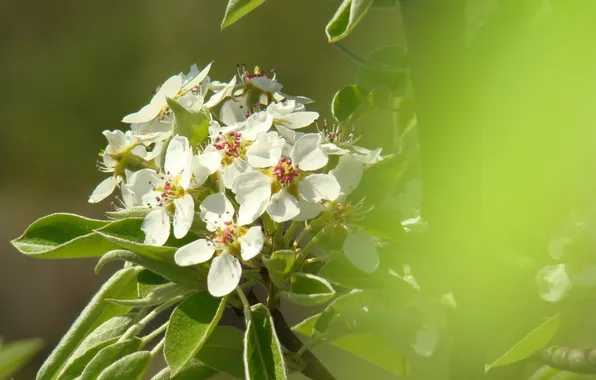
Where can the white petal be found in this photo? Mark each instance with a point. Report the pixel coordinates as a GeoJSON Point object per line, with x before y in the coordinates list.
{"type": "Point", "coordinates": [156, 227]}
{"type": "Point", "coordinates": [139, 184]}
{"type": "Point", "coordinates": [331, 148]}
{"type": "Point", "coordinates": [103, 190]}
{"type": "Point", "coordinates": [266, 151]}
{"type": "Point", "coordinates": [249, 212]}
{"type": "Point", "coordinates": [256, 124]}
{"type": "Point", "coordinates": [360, 249]}
{"type": "Point", "coordinates": [144, 115]}
{"type": "Point", "coordinates": [307, 152]}
{"type": "Point", "coordinates": [216, 211]}
{"type": "Point", "coordinates": [290, 135]}
{"type": "Point", "coordinates": [216, 98]}
{"type": "Point", "coordinates": [317, 187]}
{"type": "Point", "coordinates": [224, 275]}
{"type": "Point", "coordinates": [232, 171]}
{"type": "Point", "coordinates": [553, 282]}
{"type": "Point", "coordinates": [366, 156]}
{"type": "Point", "coordinates": [279, 110]}
{"type": "Point", "coordinates": [169, 89]}
{"type": "Point", "coordinates": [283, 206]}
{"type": "Point", "coordinates": [117, 139]}
{"type": "Point", "coordinates": [178, 155]}
{"type": "Point", "coordinates": [308, 210]}
{"type": "Point", "coordinates": [190, 101]}
{"type": "Point", "coordinates": [205, 164]}
{"type": "Point", "coordinates": [266, 84]}
{"type": "Point", "coordinates": [252, 186]}
{"type": "Point", "coordinates": [348, 173]}
{"type": "Point", "coordinates": [194, 253]}
{"type": "Point", "coordinates": [298, 120]}
{"type": "Point", "coordinates": [232, 111]}
{"type": "Point", "coordinates": [251, 243]}
{"type": "Point", "coordinates": [183, 215]}
{"type": "Point", "coordinates": [198, 79]}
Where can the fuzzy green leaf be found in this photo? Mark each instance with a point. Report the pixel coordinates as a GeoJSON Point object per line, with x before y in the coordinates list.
{"type": "Point", "coordinates": [193, 125]}
{"type": "Point", "coordinates": [237, 9]}
{"type": "Point", "coordinates": [349, 276]}
{"type": "Point", "coordinates": [279, 265]}
{"type": "Point", "coordinates": [263, 358]}
{"type": "Point", "coordinates": [15, 355]}
{"type": "Point", "coordinates": [148, 281]}
{"type": "Point", "coordinates": [63, 236]}
{"type": "Point", "coordinates": [121, 285]}
{"type": "Point", "coordinates": [127, 234]}
{"type": "Point", "coordinates": [156, 297]}
{"type": "Point", "coordinates": [348, 100]}
{"type": "Point", "coordinates": [193, 370]}
{"type": "Point", "coordinates": [307, 289]}
{"type": "Point", "coordinates": [528, 345]}
{"type": "Point", "coordinates": [130, 367]}
{"type": "Point", "coordinates": [131, 212]}
{"type": "Point", "coordinates": [347, 16]}
{"type": "Point", "coordinates": [223, 351]}
{"type": "Point", "coordinates": [108, 355]}
{"type": "Point", "coordinates": [190, 325]}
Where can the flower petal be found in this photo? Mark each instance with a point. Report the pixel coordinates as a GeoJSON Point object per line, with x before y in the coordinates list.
{"type": "Point", "coordinates": [266, 84]}
{"type": "Point", "coordinates": [266, 151]}
{"type": "Point", "coordinates": [178, 156]}
{"type": "Point", "coordinates": [183, 215]}
{"type": "Point", "coordinates": [317, 187]}
{"type": "Point", "coordinates": [103, 190]}
{"type": "Point", "coordinates": [138, 185]}
{"type": "Point", "coordinates": [348, 173]}
{"type": "Point", "coordinates": [252, 186]}
{"type": "Point", "coordinates": [232, 111]}
{"type": "Point", "coordinates": [224, 275]}
{"type": "Point", "coordinates": [251, 243]}
{"type": "Point", "coordinates": [256, 124]}
{"type": "Point", "coordinates": [360, 249]}
{"type": "Point", "coordinates": [198, 79]}
{"type": "Point", "coordinates": [216, 98]}
{"type": "Point", "coordinates": [249, 212]}
{"type": "Point", "coordinates": [156, 227]}
{"type": "Point", "coordinates": [216, 211]}
{"type": "Point", "coordinates": [307, 152]}
{"type": "Point", "coordinates": [205, 164]}
{"type": "Point", "coordinates": [308, 210]}
{"type": "Point", "coordinates": [117, 139]}
{"type": "Point", "coordinates": [232, 171]}
{"type": "Point", "coordinates": [298, 120]}
{"type": "Point", "coordinates": [283, 206]}
{"type": "Point", "coordinates": [144, 115]}
{"type": "Point", "coordinates": [194, 253]}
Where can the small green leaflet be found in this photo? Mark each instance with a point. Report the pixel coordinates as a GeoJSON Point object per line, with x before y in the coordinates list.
{"type": "Point", "coordinates": [348, 15]}
{"type": "Point", "coordinates": [237, 9]}
{"type": "Point", "coordinates": [263, 358]}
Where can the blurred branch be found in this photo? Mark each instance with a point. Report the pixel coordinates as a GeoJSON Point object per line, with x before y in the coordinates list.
{"type": "Point", "coordinates": [366, 62]}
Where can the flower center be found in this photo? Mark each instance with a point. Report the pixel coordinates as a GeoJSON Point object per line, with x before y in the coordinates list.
{"type": "Point", "coordinates": [285, 173]}
{"type": "Point", "coordinates": [257, 74]}
{"type": "Point", "coordinates": [258, 107]}
{"type": "Point", "coordinates": [225, 238]}
{"type": "Point", "coordinates": [169, 191]}
{"type": "Point", "coordinates": [231, 145]}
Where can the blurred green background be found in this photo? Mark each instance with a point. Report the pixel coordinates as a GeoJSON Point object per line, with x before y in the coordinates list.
{"type": "Point", "coordinates": [71, 69]}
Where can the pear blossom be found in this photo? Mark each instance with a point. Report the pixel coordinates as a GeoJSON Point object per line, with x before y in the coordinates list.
{"type": "Point", "coordinates": [229, 242]}
{"type": "Point", "coordinates": [282, 186]}
{"type": "Point", "coordinates": [291, 115]}
{"type": "Point", "coordinates": [124, 148]}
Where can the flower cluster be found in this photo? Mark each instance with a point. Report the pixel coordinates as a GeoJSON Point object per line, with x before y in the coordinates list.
{"type": "Point", "coordinates": [235, 174]}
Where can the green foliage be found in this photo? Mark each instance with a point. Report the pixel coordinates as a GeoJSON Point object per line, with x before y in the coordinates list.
{"type": "Point", "coordinates": [263, 358]}
{"type": "Point", "coordinates": [121, 285]}
{"type": "Point", "coordinates": [347, 16]}
{"type": "Point", "coordinates": [109, 355]}
{"type": "Point", "coordinates": [155, 297]}
{"type": "Point", "coordinates": [528, 345]}
{"type": "Point", "coordinates": [190, 325]}
{"type": "Point", "coordinates": [127, 234]}
{"type": "Point", "coordinates": [130, 367]}
{"type": "Point", "coordinates": [279, 265]}
{"type": "Point", "coordinates": [193, 125]}
{"type": "Point", "coordinates": [223, 351]}
{"type": "Point", "coordinates": [15, 355]}
{"type": "Point", "coordinates": [307, 289]}
{"type": "Point", "coordinates": [237, 9]}
{"type": "Point", "coordinates": [148, 281]}
{"type": "Point", "coordinates": [193, 370]}
{"type": "Point", "coordinates": [346, 275]}
{"type": "Point", "coordinates": [348, 102]}
{"type": "Point", "coordinates": [76, 363]}
{"type": "Point", "coordinates": [132, 212]}
{"type": "Point", "coordinates": [395, 58]}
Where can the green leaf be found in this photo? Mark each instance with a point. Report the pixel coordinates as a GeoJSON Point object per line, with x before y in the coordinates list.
{"type": "Point", "coordinates": [63, 236]}
{"type": "Point", "coordinates": [279, 265]}
{"type": "Point", "coordinates": [15, 355]}
{"type": "Point", "coordinates": [223, 351]}
{"type": "Point", "coordinates": [130, 367]}
{"type": "Point", "coordinates": [307, 326]}
{"type": "Point", "coordinates": [237, 9]}
{"type": "Point", "coordinates": [335, 318]}
{"type": "Point", "coordinates": [193, 125]}
{"type": "Point", "coordinates": [263, 358]}
{"type": "Point", "coordinates": [347, 16]}
{"type": "Point", "coordinates": [148, 281]}
{"type": "Point", "coordinates": [347, 100]}
{"type": "Point", "coordinates": [186, 276]}
{"type": "Point", "coordinates": [127, 234]}
{"type": "Point", "coordinates": [193, 370]}
{"type": "Point", "coordinates": [131, 212]}
{"type": "Point", "coordinates": [396, 80]}
{"type": "Point", "coordinates": [190, 325]}
{"type": "Point", "coordinates": [156, 297]}
{"type": "Point", "coordinates": [527, 346]}
{"type": "Point", "coordinates": [121, 285]}
{"type": "Point", "coordinates": [109, 355]}
{"type": "Point", "coordinates": [349, 276]}
{"type": "Point", "coordinates": [307, 289]}
{"type": "Point", "coordinates": [106, 334]}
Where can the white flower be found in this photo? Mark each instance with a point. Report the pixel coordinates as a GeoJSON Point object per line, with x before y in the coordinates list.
{"type": "Point", "coordinates": [260, 80]}
{"type": "Point", "coordinates": [291, 115]}
{"type": "Point", "coordinates": [349, 172]}
{"type": "Point", "coordinates": [123, 146]}
{"type": "Point", "coordinates": [229, 242]}
{"type": "Point", "coordinates": [166, 193]}
{"type": "Point", "coordinates": [223, 92]}
{"type": "Point", "coordinates": [169, 89]}
{"type": "Point", "coordinates": [553, 282]}
{"type": "Point", "coordinates": [283, 189]}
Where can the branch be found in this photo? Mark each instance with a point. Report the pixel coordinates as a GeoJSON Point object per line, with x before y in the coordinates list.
{"type": "Point", "coordinates": [577, 360]}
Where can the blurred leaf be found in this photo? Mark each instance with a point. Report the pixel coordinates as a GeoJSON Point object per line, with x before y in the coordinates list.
{"type": "Point", "coordinates": [106, 334]}
{"type": "Point", "coordinates": [130, 367]}
{"type": "Point", "coordinates": [127, 234]}
{"type": "Point", "coordinates": [190, 325]}
{"type": "Point", "coordinates": [335, 319]}
{"type": "Point", "coordinates": [109, 355]}
{"type": "Point", "coordinates": [223, 351]}
{"type": "Point", "coordinates": [347, 16]}
{"type": "Point", "coordinates": [397, 80]}
{"type": "Point", "coordinates": [350, 277]}
{"type": "Point", "coordinates": [237, 9]}
{"type": "Point", "coordinates": [279, 265]}
{"type": "Point", "coordinates": [307, 289]}
{"type": "Point", "coordinates": [15, 355]}
{"type": "Point", "coordinates": [193, 370]}
{"type": "Point", "coordinates": [186, 276]}
{"type": "Point", "coordinates": [375, 350]}
{"type": "Point", "coordinates": [384, 3]}
{"type": "Point", "coordinates": [263, 358]}
{"type": "Point", "coordinates": [478, 12]}
{"type": "Point", "coordinates": [121, 285]}
{"type": "Point", "coordinates": [131, 212]}
{"type": "Point", "coordinates": [192, 125]}
{"type": "Point", "coordinates": [528, 345]}
{"type": "Point", "coordinates": [156, 297]}
{"type": "Point", "coordinates": [63, 236]}
{"type": "Point", "coordinates": [148, 281]}
{"type": "Point", "coordinates": [347, 100]}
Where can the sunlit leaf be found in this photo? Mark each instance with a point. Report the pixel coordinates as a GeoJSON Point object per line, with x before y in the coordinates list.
{"type": "Point", "coordinates": [130, 367]}
{"type": "Point", "coordinates": [348, 100]}
{"type": "Point", "coordinates": [279, 265]}
{"type": "Point", "coordinates": [263, 358]}
{"type": "Point", "coordinates": [307, 289]}
{"type": "Point", "coordinates": [223, 351]}
{"type": "Point", "coordinates": [127, 234]}
{"type": "Point", "coordinates": [192, 125]}
{"type": "Point", "coordinates": [347, 16]}
{"type": "Point", "coordinates": [109, 355]}
{"type": "Point", "coordinates": [237, 9]}
{"type": "Point", "coordinates": [15, 355]}
{"type": "Point", "coordinates": [193, 370]}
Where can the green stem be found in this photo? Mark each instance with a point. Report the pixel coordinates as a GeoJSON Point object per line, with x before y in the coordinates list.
{"type": "Point", "coordinates": [139, 326]}
{"type": "Point", "coordinates": [302, 255]}
{"type": "Point", "coordinates": [290, 233]}
{"type": "Point", "coordinates": [279, 227]}
{"type": "Point", "coordinates": [309, 344]}
{"type": "Point", "coordinates": [158, 347]}
{"type": "Point", "coordinates": [149, 337]}
{"type": "Point", "coordinates": [301, 235]}
{"type": "Point", "coordinates": [269, 224]}
{"type": "Point", "coordinates": [366, 62]}
{"type": "Point", "coordinates": [245, 303]}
